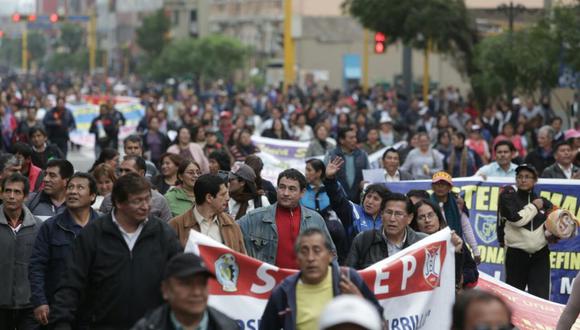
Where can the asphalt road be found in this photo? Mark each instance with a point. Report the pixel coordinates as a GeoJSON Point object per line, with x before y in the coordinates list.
{"type": "Point", "coordinates": [81, 159]}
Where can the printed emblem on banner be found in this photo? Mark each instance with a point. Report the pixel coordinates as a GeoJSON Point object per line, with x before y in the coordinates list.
{"type": "Point", "coordinates": [432, 266]}
{"type": "Point", "coordinates": [227, 272]}
{"type": "Point", "coordinates": [485, 227]}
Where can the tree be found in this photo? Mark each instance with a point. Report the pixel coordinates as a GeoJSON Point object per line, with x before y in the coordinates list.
{"type": "Point", "coordinates": [524, 61]}
{"type": "Point", "coordinates": [152, 35]}
{"type": "Point", "coordinates": [36, 46]}
{"type": "Point", "coordinates": [414, 22]}
{"type": "Point", "coordinates": [566, 23]}
{"type": "Point", "coordinates": [71, 37]}
{"type": "Point", "coordinates": [207, 58]}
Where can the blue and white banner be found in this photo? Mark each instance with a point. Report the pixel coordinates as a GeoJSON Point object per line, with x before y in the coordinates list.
{"type": "Point", "coordinates": [481, 198]}
{"type": "Point", "coordinates": [84, 114]}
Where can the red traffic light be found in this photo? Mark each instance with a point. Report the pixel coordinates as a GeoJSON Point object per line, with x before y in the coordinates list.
{"type": "Point", "coordinates": [31, 18]}
{"type": "Point", "coordinates": [380, 42]}
{"type": "Point", "coordinates": [380, 37]}
{"type": "Point", "coordinates": [53, 18]}
{"type": "Point", "coordinates": [16, 17]}
{"type": "Point", "coordinates": [379, 48]}
{"type": "Point", "coordinates": [1, 34]}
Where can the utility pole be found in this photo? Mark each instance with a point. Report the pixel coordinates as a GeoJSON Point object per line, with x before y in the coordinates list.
{"type": "Point", "coordinates": [92, 40]}
{"type": "Point", "coordinates": [408, 72]}
{"type": "Point", "coordinates": [511, 11]}
{"type": "Point", "coordinates": [426, 77]}
{"type": "Point", "coordinates": [289, 47]}
{"type": "Point", "coordinates": [24, 48]}
{"type": "Point", "coordinates": [365, 80]}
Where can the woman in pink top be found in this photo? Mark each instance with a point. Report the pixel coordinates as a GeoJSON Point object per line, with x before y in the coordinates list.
{"type": "Point", "coordinates": [507, 133]}
{"type": "Point", "coordinates": [478, 144]}
{"type": "Point", "coordinates": [187, 149]}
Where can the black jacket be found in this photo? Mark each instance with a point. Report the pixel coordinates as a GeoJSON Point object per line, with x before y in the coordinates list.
{"type": "Point", "coordinates": [160, 319]}
{"type": "Point", "coordinates": [40, 159]}
{"type": "Point", "coordinates": [555, 172]}
{"type": "Point", "coordinates": [370, 247]}
{"type": "Point", "coordinates": [48, 260]}
{"type": "Point", "coordinates": [536, 159]}
{"type": "Point", "coordinates": [118, 286]}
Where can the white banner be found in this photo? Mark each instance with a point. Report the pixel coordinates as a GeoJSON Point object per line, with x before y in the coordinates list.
{"type": "Point", "coordinates": [416, 286]}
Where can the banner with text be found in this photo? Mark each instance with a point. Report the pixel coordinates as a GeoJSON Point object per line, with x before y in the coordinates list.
{"type": "Point", "coordinates": [481, 198]}
{"type": "Point", "coordinates": [415, 286]}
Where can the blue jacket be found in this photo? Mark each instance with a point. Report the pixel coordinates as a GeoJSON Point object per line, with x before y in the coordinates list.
{"type": "Point", "coordinates": [261, 234]}
{"type": "Point", "coordinates": [280, 312]}
{"type": "Point", "coordinates": [353, 216]}
{"type": "Point", "coordinates": [361, 162]}
{"type": "Point", "coordinates": [48, 260]}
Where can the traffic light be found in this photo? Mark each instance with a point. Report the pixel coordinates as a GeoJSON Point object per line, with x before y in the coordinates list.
{"type": "Point", "coordinates": [53, 18]}
{"type": "Point", "coordinates": [380, 43]}
{"type": "Point", "coordinates": [1, 34]}
{"type": "Point", "coordinates": [16, 17]}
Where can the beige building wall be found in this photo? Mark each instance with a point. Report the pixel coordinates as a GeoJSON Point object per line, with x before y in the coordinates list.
{"type": "Point", "coordinates": [312, 55]}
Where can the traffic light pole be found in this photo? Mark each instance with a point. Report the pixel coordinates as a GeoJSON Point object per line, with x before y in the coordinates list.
{"type": "Point", "coordinates": [24, 48]}
{"type": "Point", "coordinates": [289, 53]}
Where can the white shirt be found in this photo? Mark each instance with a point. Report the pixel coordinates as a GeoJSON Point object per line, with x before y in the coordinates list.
{"type": "Point", "coordinates": [389, 178]}
{"type": "Point", "coordinates": [568, 171]}
{"type": "Point", "coordinates": [208, 227]}
{"type": "Point", "coordinates": [130, 238]}
{"type": "Point", "coordinates": [394, 248]}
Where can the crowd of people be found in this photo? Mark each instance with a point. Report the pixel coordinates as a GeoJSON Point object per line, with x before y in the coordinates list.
{"type": "Point", "coordinates": [102, 249]}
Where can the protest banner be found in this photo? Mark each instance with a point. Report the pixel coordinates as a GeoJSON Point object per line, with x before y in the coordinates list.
{"type": "Point", "coordinates": [529, 312]}
{"type": "Point", "coordinates": [85, 112]}
{"type": "Point", "coordinates": [415, 286]}
{"type": "Point", "coordinates": [481, 198]}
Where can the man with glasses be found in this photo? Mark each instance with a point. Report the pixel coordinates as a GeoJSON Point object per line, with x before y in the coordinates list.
{"type": "Point", "coordinates": [521, 217]}
{"type": "Point", "coordinates": [117, 262]}
{"type": "Point", "coordinates": [395, 235]}
{"type": "Point", "coordinates": [271, 232]}
{"type": "Point", "coordinates": [136, 165]}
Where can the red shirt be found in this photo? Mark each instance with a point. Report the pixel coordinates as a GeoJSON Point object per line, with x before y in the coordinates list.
{"type": "Point", "coordinates": [288, 224]}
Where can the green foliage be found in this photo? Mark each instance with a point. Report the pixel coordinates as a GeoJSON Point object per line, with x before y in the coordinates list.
{"type": "Point", "coordinates": [72, 63]}
{"type": "Point", "coordinates": [525, 61]}
{"type": "Point", "coordinates": [11, 52]}
{"type": "Point", "coordinates": [566, 24]}
{"type": "Point", "coordinates": [445, 22]}
{"type": "Point", "coordinates": [36, 45]}
{"type": "Point", "coordinates": [152, 35]}
{"type": "Point", "coordinates": [207, 58]}
{"type": "Point", "coordinates": [71, 37]}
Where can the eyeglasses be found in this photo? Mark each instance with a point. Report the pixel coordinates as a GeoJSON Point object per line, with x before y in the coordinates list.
{"type": "Point", "coordinates": [396, 214]}
{"type": "Point", "coordinates": [424, 217]}
{"type": "Point", "coordinates": [193, 173]}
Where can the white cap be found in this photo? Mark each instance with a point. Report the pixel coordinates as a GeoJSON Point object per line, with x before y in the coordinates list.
{"type": "Point", "coordinates": [385, 118]}
{"type": "Point", "coordinates": [516, 101]}
{"type": "Point", "coordinates": [352, 309]}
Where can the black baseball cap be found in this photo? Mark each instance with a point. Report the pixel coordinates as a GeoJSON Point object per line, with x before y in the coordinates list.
{"type": "Point", "coordinates": [528, 167]}
{"type": "Point", "coordinates": [184, 265]}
